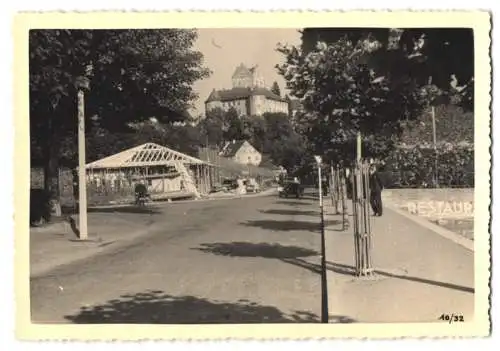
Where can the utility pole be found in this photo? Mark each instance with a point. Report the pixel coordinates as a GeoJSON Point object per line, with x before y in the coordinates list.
{"type": "Point", "coordinates": [434, 138]}
{"type": "Point", "coordinates": [82, 84]}
{"type": "Point", "coordinates": [82, 181]}
{"type": "Point", "coordinates": [434, 142]}
{"type": "Point", "coordinates": [324, 282]}
{"type": "Point", "coordinates": [358, 147]}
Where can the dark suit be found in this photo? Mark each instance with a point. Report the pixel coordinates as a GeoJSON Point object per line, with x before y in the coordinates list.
{"type": "Point", "coordinates": [376, 188]}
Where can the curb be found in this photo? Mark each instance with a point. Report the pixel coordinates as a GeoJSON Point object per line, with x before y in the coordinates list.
{"type": "Point", "coordinates": [445, 233]}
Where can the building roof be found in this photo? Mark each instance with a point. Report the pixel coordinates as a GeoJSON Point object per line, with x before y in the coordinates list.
{"type": "Point", "coordinates": [242, 93]}
{"type": "Point", "coordinates": [231, 166]}
{"type": "Point", "coordinates": [144, 155]}
{"type": "Point", "coordinates": [232, 148]}
{"type": "Point", "coordinates": [242, 70]}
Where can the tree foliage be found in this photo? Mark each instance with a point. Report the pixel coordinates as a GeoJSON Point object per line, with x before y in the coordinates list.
{"type": "Point", "coordinates": [453, 125]}
{"type": "Point", "coordinates": [275, 88]}
{"type": "Point", "coordinates": [444, 56]}
{"type": "Point", "coordinates": [342, 95]}
{"type": "Point", "coordinates": [282, 143]}
{"type": "Point", "coordinates": [134, 75]}
{"type": "Point", "coordinates": [272, 134]}
{"type": "Point", "coordinates": [415, 166]}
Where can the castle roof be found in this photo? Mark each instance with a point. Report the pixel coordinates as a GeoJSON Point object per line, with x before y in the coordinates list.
{"type": "Point", "coordinates": [241, 93]}
{"type": "Point", "coordinates": [241, 70]}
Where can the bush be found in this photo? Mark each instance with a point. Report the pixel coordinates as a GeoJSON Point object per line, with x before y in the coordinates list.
{"type": "Point", "coordinates": [40, 206]}
{"type": "Point", "coordinates": [412, 167]}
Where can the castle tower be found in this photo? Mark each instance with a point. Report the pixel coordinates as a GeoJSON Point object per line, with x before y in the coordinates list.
{"type": "Point", "coordinates": [242, 77]}
{"type": "Point", "coordinates": [257, 78]}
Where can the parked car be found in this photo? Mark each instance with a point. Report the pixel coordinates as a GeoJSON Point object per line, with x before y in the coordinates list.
{"type": "Point", "coordinates": [252, 186]}
{"type": "Point", "coordinates": [229, 184]}
{"type": "Point", "coordinates": [293, 189]}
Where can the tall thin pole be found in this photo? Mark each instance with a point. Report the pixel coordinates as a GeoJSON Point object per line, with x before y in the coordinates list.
{"type": "Point", "coordinates": [320, 188]}
{"type": "Point", "coordinates": [81, 169]}
{"type": "Point", "coordinates": [434, 142]}
{"type": "Point", "coordinates": [358, 147]}
{"type": "Point", "coordinates": [324, 287]}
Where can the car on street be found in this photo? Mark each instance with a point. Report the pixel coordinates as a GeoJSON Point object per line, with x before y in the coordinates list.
{"type": "Point", "coordinates": [229, 184]}
{"type": "Point", "coordinates": [252, 186]}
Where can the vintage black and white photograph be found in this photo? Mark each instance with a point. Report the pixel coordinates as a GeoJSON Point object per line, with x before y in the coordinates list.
{"type": "Point", "coordinates": [254, 175]}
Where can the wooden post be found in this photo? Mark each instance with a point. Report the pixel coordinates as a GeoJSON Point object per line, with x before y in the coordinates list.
{"type": "Point", "coordinates": [434, 141]}
{"type": "Point", "coordinates": [82, 206]}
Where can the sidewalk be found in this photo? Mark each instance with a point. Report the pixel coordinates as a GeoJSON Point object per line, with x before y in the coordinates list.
{"type": "Point", "coordinates": [419, 274]}
{"type": "Point", "coordinates": [57, 244]}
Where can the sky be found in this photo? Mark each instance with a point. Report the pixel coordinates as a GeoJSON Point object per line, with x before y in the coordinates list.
{"type": "Point", "coordinates": [225, 49]}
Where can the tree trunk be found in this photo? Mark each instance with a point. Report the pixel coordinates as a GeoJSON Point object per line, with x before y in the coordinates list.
{"type": "Point", "coordinates": [51, 175]}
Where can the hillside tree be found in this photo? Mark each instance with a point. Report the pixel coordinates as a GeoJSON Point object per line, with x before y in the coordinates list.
{"type": "Point", "coordinates": [275, 88]}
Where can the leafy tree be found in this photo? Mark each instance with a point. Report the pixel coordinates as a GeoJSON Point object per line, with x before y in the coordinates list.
{"type": "Point", "coordinates": [276, 89]}
{"type": "Point", "coordinates": [284, 146]}
{"type": "Point", "coordinates": [136, 74]}
{"type": "Point", "coordinates": [212, 127]}
{"type": "Point", "coordinates": [235, 127]}
{"type": "Point", "coordinates": [256, 131]}
{"type": "Point", "coordinates": [342, 95]}
{"type": "Point", "coordinates": [435, 54]}
{"type": "Point", "coordinates": [453, 125]}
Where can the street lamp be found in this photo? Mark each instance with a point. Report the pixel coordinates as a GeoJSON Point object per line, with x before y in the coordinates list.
{"type": "Point", "coordinates": [318, 163]}
{"type": "Point", "coordinates": [324, 288]}
{"type": "Point", "coordinates": [434, 143]}
{"type": "Point", "coordinates": [82, 84]}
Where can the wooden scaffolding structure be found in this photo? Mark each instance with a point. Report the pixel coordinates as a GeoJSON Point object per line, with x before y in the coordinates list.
{"type": "Point", "coordinates": [150, 161]}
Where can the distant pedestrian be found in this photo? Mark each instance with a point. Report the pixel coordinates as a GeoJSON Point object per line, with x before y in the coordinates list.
{"type": "Point", "coordinates": [349, 184]}
{"type": "Point", "coordinates": [324, 186]}
{"type": "Point", "coordinates": [376, 187]}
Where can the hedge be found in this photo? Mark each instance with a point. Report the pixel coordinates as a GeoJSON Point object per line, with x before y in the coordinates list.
{"type": "Point", "coordinates": [414, 166]}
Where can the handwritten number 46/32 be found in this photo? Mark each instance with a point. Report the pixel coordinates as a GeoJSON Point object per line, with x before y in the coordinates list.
{"type": "Point", "coordinates": [451, 318]}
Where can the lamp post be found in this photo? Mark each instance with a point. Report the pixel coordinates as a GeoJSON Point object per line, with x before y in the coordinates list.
{"type": "Point", "coordinates": [318, 163]}
{"type": "Point", "coordinates": [434, 137]}
{"type": "Point", "coordinates": [324, 287]}
{"type": "Point", "coordinates": [82, 84]}
{"type": "Point", "coordinates": [434, 142]}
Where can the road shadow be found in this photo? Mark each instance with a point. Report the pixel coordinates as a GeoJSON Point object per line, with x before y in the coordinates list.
{"type": "Point", "coordinates": [340, 319]}
{"type": "Point", "coordinates": [158, 307]}
{"type": "Point", "coordinates": [72, 225]}
{"type": "Point", "coordinates": [287, 225]}
{"type": "Point", "coordinates": [293, 203]}
{"type": "Point", "coordinates": [350, 270]}
{"type": "Point", "coordinates": [293, 255]}
{"type": "Point", "coordinates": [248, 249]}
{"type": "Point", "coordinates": [291, 212]}
{"type": "Point", "coordinates": [125, 209]}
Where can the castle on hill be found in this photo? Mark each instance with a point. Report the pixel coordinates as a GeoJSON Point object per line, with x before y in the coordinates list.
{"type": "Point", "coordinates": [248, 96]}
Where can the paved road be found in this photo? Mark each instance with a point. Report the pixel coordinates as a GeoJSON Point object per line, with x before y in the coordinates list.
{"type": "Point", "coordinates": [244, 260]}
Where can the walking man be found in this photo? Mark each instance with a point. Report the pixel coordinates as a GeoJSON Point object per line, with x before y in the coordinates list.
{"type": "Point", "coordinates": [376, 188]}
